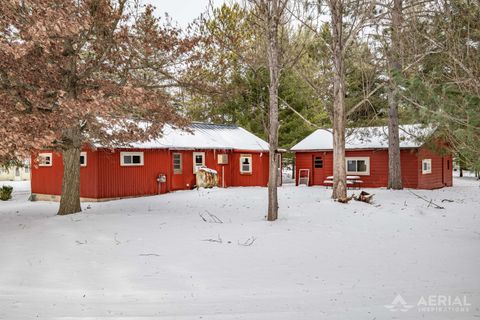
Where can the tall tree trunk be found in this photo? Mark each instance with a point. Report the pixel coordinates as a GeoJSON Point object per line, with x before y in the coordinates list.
{"type": "Point", "coordinates": [273, 20]}
{"type": "Point", "coordinates": [70, 198]}
{"type": "Point", "coordinates": [339, 116]}
{"type": "Point", "coordinates": [394, 164]}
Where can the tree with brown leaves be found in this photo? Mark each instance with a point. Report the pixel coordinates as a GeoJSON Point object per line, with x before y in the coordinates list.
{"type": "Point", "coordinates": [87, 72]}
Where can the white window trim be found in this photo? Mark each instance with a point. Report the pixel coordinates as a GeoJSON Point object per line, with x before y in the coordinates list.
{"type": "Point", "coordinates": [123, 164]}
{"type": "Point", "coordinates": [43, 155]}
{"type": "Point", "coordinates": [195, 167]}
{"type": "Point", "coordinates": [244, 156]}
{"type": "Point", "coordinates": [429, 162]}
{"type": "Point", "coordinates": [84, 155]}
{"type": "Point", "coordinates": [177, 171]}
{"type": "Point", "coordinates": [367, 163]}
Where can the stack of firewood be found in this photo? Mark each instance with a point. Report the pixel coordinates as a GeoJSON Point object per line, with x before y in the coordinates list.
{"type": "Point", "coordinates": [364, 197]}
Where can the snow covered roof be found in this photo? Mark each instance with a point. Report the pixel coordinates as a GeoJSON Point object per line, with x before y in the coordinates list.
{"type": "Point", "coordinates": [411, 136]}
{"type": "Point", "coordinates": [206, 136]}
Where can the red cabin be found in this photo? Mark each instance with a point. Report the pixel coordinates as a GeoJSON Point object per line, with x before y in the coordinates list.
{"type": "Point", "coordinates": [366, 152]}
{"type": "Point", "coordinates": [162, 165]}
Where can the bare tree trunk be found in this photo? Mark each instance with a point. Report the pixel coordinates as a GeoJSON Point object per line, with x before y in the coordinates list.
{"type": "Point", "coordinates": [70, 198]}
{"type": "Point", "coordinates": [339, 115]}
{"type": "Point", "coordinates": [394, 164]}
{"type": "Point", "coordinates": [273, 16]}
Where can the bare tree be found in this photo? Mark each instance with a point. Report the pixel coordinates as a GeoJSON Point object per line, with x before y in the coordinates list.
{"type": "Point", "coordinates": [270, 13]}
{"type": "Point", "coordinates": [347, 18]}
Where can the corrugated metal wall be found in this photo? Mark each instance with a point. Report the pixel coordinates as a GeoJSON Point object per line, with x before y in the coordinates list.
{"type": "Point", "coordinates": [378, 167]}
{"type": "Point", "coordinates": [104, 177]}
{"type": "Point", "coordinates": [48, 180]}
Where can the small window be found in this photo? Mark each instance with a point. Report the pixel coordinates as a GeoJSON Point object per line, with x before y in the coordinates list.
{"type": "Point", "coordinates": [318, 162]}
{"type": "Point", "coordinates": [131, 159]}
{"type": "Point", "coordinates": [426, 166]}
{"type": "Point", "coordinates": [26, 169]}
{"type": "Point", "coordinates": [448, 164]}
{"type": "Point", "coordinates": [45, 159]}
{"type": "Point", "coordinates": [359, 166]}
{"type": "Point", "coordinates": [246, 163]}
{"type": "Point", "coordinates": [198, 161]}
{"type": "Point", "coordinates": [177, 163]}
{"type": "Point", "coordinates": [83, 159]}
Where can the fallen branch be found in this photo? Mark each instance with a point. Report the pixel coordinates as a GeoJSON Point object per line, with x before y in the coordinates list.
{"type": "Point", "coordinates": [218, 240]}
{"type": "Point", "coordinates": [213, 218]}
{"type": "Point", "coordinates": [345, 200]}
{"type": "Point", "coordinates": [447, 200]}
{"type": "Point", "coordinates": [430, 202]}
{"type": "Point", "coordinates": [149, 254]}
{"type": "Point", "coordinates": [247, 242]}
{"type": "Point", "coordinates": [365, 197]}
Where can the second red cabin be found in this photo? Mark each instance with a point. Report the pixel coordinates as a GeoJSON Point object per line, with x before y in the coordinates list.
{"type": "Point", "coordinates": [366, 158]}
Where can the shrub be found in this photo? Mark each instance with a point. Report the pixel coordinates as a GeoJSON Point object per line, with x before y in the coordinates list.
{"type": "Point", "coordinates": [6, 193]}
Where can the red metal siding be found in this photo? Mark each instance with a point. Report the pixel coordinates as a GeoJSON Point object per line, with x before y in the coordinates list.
{"type": "Point", "coordinates": [378, 176]}
{"type": "Point", "coordinates": [440, 177]}
{"type": "Point", "coordinates": [116, 181]}
{"type": "Point", "coordinates": [48, 180]}
{"type": "Point", "coordinates": [259, 175]}
{"type": "Point", "coordinates": [104, 177]}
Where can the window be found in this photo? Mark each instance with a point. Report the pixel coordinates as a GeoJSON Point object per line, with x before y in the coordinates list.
{"type": "Point", "coordinates": [45, 159]}
{"type": "Point", "coordinates": [426, 166]}
{"type": "Point", "coordinates": [198, 161]}
{"type": "Point", "coordinates": [359, 166]}
{"type": "Point", "coordinates": [448, 164]}
{"type": "Point", "coordinates": [131, 159]}
{"type": "Point", "coordinates": [222, 158]}
{"type": "Point", "coordinates": [177, 163]}
{"type": "Point", "coordinates": [246, 163]}
{"type": "Point", "coordinates": [318, 162]}
{"type": "Point", "coordinates": [83, 159]}
{"type": "Point", "coordinates": [26, 169]}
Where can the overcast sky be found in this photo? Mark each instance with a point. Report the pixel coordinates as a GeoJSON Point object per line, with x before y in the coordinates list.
{"type": "Point", "coordinates": [181, 11]}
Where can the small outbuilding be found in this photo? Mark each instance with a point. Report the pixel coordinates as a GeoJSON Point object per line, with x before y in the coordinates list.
{"type": "Point", "coordinates": [426, 163]}
{"type": "Point", "coordinates": [159, 166]}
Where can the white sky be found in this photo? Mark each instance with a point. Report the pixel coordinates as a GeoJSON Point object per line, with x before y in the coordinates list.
{"type": "Point", "coordinates": [181, 11]}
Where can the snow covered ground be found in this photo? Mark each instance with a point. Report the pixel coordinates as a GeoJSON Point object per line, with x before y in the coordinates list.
{"type": "Point", "coordinates": [156, 257]}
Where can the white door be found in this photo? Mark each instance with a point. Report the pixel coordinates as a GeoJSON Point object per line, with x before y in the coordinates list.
{"type": "Point", "coordinates": [198, 161]}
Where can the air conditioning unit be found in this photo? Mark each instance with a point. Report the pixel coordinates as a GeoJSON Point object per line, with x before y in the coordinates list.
{"type": "Point", "coordinates": [222, 158]}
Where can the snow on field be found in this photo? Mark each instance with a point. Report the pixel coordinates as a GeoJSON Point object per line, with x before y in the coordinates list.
{"type": "Point", "coordinates": [156, 257]}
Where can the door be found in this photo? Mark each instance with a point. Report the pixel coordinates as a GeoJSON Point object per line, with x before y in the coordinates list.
{"type": "Point", "coordinates": [317, 170]}
{"type": "Point", "coordinates": [198, 161]}
{"type": "Point", "coordinates": [446, 171]}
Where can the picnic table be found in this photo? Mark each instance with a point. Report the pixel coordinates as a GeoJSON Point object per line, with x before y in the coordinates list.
{"type": "Point", "coordinates": [352, 181]}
